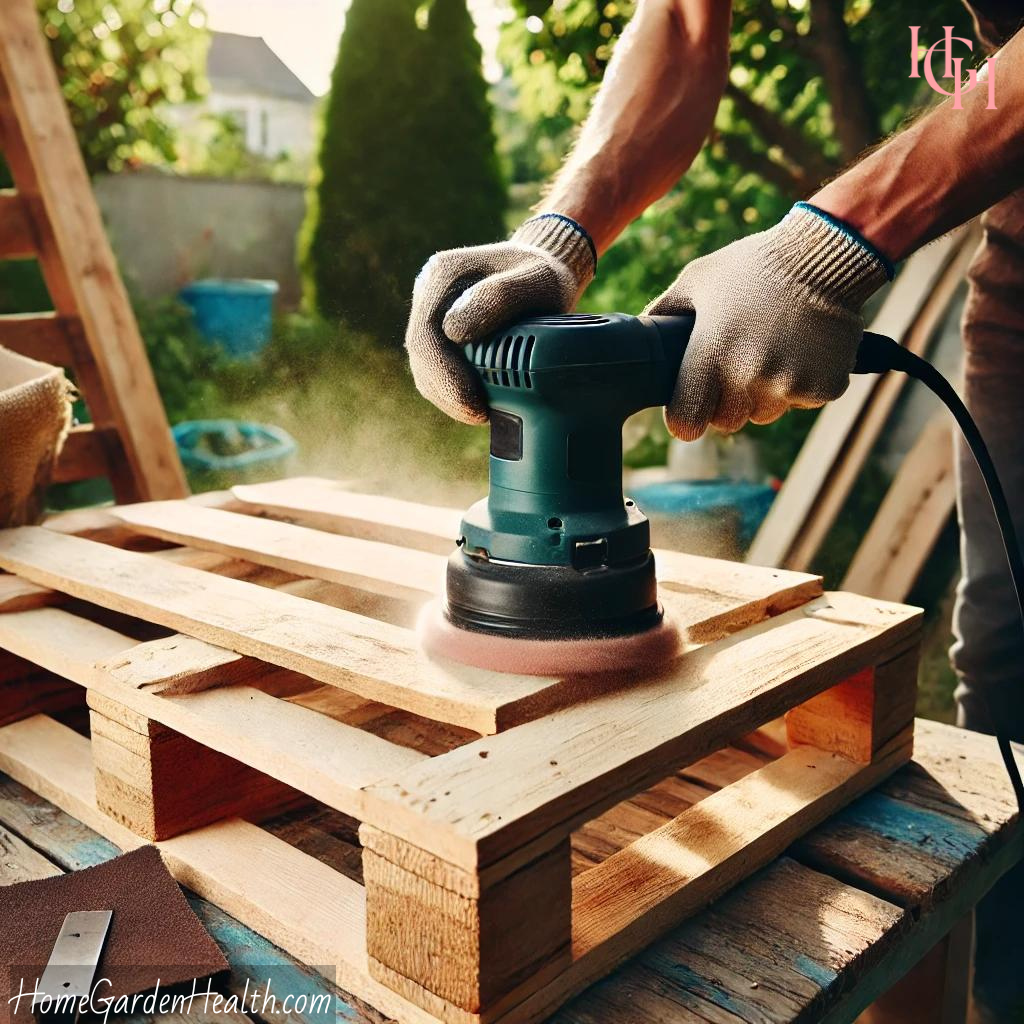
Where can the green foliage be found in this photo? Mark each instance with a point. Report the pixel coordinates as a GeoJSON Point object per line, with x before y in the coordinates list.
{"type": "Point", "coordinates": [189, 371]}
{"type": "Point", "coordinates": [214, 145]}
{"type": "Point", "coordinates": [800, 104]}
{"type": "Point", "coordinates": [117, 64]}
{"type": "Point", "coordinates": [407, 161]}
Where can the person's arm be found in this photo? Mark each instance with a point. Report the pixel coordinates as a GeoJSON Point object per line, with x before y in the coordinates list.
{"type": "Point", "coordinates": [650, 118]}
{"type": "Point", "coordinates": [945, 169]}
{"type": "Point", "coordinates": [778, 314]}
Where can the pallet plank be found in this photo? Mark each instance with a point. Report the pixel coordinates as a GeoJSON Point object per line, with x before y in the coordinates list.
{"type": "Point", "coordinates": [324, 758]}
{"type": "Point", "coordinates": [396, 571]}
{"type": "Point", "coordinates": [488, 798]}
{"type": "Point", "coordinates": [329, 505]}
{"type": "Point", "coordinates": [711, 596]}
{"type": "Point", "coordinates": [303, 906]}
{"type": "Point", "coordinates": [375, 659]}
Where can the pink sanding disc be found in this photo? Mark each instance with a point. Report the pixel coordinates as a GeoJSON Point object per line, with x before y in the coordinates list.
{"type": "Point", "coordinates": [646, 651]}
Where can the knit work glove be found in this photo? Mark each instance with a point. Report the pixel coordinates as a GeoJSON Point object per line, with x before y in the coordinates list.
{"type": "Point", "coordinates": [464, 294]}
{"type": "Point", "coordinates": [777, 325]}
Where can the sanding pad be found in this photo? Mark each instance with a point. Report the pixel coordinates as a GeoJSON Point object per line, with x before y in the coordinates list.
{"type": "Point", "coordinates": [638, 652]}
{"type": "Point", "coordinates": [154, 934]}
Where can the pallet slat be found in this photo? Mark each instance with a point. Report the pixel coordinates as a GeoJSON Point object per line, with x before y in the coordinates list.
{"type": "Point", "coordinates": [398, 572]}
{"type": "Point", "coordinates": [327, 759]}
{"type": "Point", "coordinates": [484, 800]}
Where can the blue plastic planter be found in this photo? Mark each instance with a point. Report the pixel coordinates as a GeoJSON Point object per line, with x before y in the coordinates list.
{"type": "Point", "coordinates": [709, 497]}
{"type": "Point", "coordinates": [233, 447]}
{"type": "Point", "coordinates": [236, 314]}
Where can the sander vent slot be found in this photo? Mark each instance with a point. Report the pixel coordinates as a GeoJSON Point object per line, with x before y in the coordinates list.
{"type": "Point", "coordinates": [504, 361]}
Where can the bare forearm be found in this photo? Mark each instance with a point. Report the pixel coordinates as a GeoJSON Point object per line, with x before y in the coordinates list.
{"type": "Point", "coordinates": [943, 170]}
{"type": "Point", "coordinates": [651, 116]}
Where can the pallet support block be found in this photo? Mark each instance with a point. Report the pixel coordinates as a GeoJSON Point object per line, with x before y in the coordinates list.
{"type": "Point", "coordinates": [160, 783]}
{"type": "Point", "coordinates": [863, 713]}
{"type": "Point", "coordinates": [462, 946]}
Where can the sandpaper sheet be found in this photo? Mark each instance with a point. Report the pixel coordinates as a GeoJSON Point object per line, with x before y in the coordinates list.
{"type": "Point", "coordinates": [154, 936]}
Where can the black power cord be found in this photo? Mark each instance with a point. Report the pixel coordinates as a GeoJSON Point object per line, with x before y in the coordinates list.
{"type": "Point", "coordinates": [879, 354]}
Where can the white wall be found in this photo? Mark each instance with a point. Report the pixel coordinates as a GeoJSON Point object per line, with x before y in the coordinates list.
{"type": "Point", "coordinates": [168, 230]}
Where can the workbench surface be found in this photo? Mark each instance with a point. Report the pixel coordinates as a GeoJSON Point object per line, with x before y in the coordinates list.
{"type": "Point", "coordinates": [816, 936]}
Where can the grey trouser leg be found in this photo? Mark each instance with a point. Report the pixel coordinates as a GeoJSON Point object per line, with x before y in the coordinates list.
{"type": "Point", "coordinates": [988, 652]}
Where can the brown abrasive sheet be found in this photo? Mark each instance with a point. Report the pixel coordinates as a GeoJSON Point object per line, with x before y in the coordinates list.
{"type": "Point", "coordinates": [154, 935]}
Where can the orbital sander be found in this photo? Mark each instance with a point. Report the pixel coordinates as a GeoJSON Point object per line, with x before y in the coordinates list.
{"type": "Point", "coordinates": [553, 573]}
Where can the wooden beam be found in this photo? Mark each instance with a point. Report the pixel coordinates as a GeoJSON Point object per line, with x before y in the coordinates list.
{"type": "Point", "coordinates": [491, 798]}
{"type": "Point", "coordinates": [709, 597]}
{"type": "Point", "coordinates": [17, 240]}
{"type": "Point", "coordinates": [85, 454]}
{"type": "Point", "coordinates": [42, 336]}
{"type": "Point", "coordinates": [915, 510]}
{"type": "Point", "coordinates": [79, 267]}
{"type": "Point", "coordinates": [161, 783]}
{"type": "Point", "coordinates": [325, 758]}
{"type": "Point", "coordinates": [309, 909]}
{"type": "Point", "coordinates": [398, 572]}
{"type": "Point", "coordinates": [375, 659]}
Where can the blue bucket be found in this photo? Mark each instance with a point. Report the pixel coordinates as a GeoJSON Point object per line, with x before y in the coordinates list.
{"type": "Point", "coordinates": [235, 314]}
{"type": "Point", "coordinates": [233, 446]}
{"type": "Point", "coordinates": [748, 501]}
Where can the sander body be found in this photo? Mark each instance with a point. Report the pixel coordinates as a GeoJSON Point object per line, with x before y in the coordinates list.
{"type": "Point", "coordinates": [555, 552]}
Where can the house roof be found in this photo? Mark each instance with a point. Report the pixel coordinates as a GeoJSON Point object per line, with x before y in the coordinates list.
{"type": "Point", "coordinates": [248, 64]}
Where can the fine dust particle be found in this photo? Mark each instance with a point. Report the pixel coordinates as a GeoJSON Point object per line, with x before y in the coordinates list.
{"type": "Point", "coordinates": [554, 764]}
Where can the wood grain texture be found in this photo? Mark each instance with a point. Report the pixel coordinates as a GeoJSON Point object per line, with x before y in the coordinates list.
{"type": "Point", "coordinates": [396, 571]}
{"type": "Point", "coordinates": [365, 655]}
{"type": "Point", "coordinates": [861, 714]}
{"type": "Point", "coordinates": [790, 944]}
{"type": "Point", "coordinates": [369, 657]}
{"type": "Point", "coordinates": [486, 799]}
{"type": "Point", "coordinates": [79, 267]}
{"type": "Point", "coordinates": [160, 783]}
{"type": "Point", "coordinates": [916, 508]}
{"type": "Point", "coordinates": [308, 909]}
{"type": "Point", "coordinates": [86, 454]}
{"type": "Point", "coordinates": [709, 597]}
{"type": "Point", "coordinates": [329, 505]}
{"type": "Point", "coordinates": [463, 956]}
{"type": "Point", "coordinates": [42, 336]}
{"type": "Point", "coordinates": [17, 238]}
{"type": "Point", "coordinates": [324, 758]}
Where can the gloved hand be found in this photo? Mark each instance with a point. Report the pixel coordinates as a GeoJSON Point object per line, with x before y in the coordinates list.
{"type": "Point", "coordinates": [778, 322]}
{"type": "Point", "coordinates": [463, 294]}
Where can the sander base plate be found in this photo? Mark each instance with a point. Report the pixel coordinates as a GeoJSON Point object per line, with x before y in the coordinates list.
{"type": "Point", "coordinates": [647, 651]}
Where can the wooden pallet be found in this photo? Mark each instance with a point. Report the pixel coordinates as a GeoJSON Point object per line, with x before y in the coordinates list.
{"type": "Point", "coordinates": [243, 652]}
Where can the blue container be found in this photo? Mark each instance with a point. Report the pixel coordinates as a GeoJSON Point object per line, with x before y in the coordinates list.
{"type": "Point", "coordinates": [236, 314]}
{"type": "Point", "coordinates": [232, 446]}
{"type": "Point", "coordinates": [749, 502]}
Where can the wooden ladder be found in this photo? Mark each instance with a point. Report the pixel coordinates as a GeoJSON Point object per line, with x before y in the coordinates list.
{"type": "Point", "coordinates": [52, 215]}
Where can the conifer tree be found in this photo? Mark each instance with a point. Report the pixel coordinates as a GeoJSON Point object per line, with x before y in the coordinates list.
{"type": "Point", "coordinates": [407, 160]}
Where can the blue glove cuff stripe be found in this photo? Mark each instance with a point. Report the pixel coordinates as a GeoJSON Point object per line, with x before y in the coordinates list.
{"type": "Point", "coordinates": [851, 232]}
{"type": "Point", "coordinates": [573, 224]}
